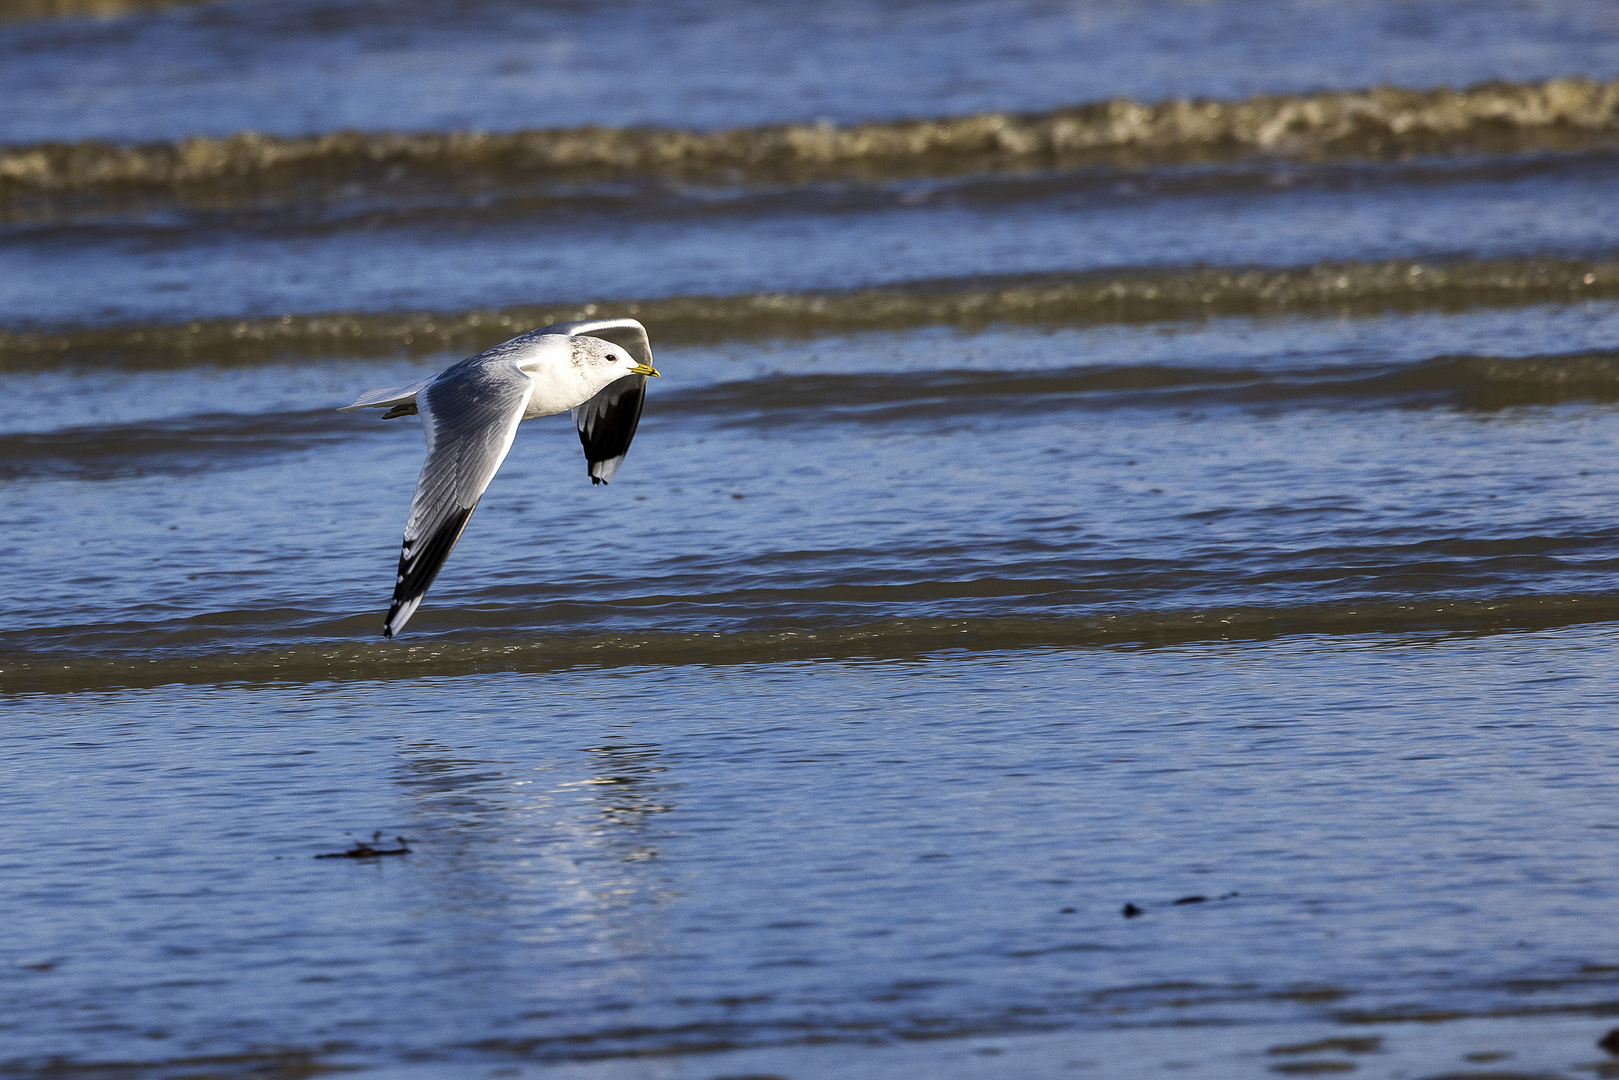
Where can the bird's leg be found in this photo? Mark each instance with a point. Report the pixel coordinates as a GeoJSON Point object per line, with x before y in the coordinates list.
{"type": "Point", "coordinates": [408, 409]}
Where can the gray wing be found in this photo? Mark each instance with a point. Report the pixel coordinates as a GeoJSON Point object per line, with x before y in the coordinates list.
{"type": "Point", "coordinates": [470, 414]}
{"type": "Point", "coordinates": [607, 422]}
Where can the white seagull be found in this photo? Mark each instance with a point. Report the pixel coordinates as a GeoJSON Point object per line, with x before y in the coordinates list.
{"type": "Point", "coordinates": [470, 411]}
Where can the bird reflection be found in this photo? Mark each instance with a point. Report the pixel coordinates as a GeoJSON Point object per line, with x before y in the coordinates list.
{"type": "Point", "coordinates": [528, 874]}
{"type": "Point", "coordinates": [628, 795]}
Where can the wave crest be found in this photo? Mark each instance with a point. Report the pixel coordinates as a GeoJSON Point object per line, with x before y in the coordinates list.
{"type": "Point", "coordinates": [1130, 296]}
{"type": "Point", "coordinates": [1382, 121]}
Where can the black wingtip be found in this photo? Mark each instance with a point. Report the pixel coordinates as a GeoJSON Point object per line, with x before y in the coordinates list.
{"type": "Point", "coordinates": [418, 566]}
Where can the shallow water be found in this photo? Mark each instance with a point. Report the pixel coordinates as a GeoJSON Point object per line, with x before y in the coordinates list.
{"type": "Point", "coordinates": [609, 864]}
{"type": "Point", "coordinates": [145, 274]}
{"type": "Point", "coordinates": [1013, 536]}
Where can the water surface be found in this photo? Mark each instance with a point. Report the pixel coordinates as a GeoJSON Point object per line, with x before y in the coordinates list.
{"type": "Point", "coordinates": [1018, 533]}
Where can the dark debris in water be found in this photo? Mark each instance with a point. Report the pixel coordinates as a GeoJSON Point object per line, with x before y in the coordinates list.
{"type": "Point", "coordinates": [1366, 1044]}
{"type": "Point", "coordinates": [373, 850]}
{"type": "Point", "coordinates": [1131, 911]}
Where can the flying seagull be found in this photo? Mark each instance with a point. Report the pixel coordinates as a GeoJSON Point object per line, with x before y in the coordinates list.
{"type": "Point", "coordinates": [470, 411]}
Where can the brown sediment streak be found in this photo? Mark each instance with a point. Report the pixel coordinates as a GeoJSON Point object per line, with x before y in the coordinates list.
{"type": "Point", "coordinates": [893, 639]}
{"type": "Point", "coordinates": [1100, 297]}
{"type": "Point", "coordinates": [18, 10]}
{"type": "Point", "coordinates": [1383, 121]}
{"type": "Point", "coordinates": [1466, 382]}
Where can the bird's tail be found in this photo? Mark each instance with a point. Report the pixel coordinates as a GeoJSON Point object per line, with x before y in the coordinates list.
{"type": "Point", "coordinates": [390, 398]}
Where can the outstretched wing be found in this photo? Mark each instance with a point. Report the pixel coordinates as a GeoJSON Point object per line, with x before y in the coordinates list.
{"type": "Point", "coordinates": [470, 414]}
{"type": "Point", "coordinates": [607, 422]}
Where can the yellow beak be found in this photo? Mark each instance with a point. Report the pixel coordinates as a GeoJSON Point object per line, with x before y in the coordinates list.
{"type": "Point", "coordinates": [645, 369]}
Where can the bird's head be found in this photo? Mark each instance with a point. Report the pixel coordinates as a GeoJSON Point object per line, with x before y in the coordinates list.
{"type": "Point", "coordinates": [605, 361]}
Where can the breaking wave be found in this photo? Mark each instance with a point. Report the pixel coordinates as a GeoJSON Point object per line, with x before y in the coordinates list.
{"type": "Point", "coordinates": [1127, 296]}
{"type": "Point", "coordinates": [1385, 121]}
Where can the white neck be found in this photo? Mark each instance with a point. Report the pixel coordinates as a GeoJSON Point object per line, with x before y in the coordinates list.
{"type": "Point", "coordinates": [562, 380]}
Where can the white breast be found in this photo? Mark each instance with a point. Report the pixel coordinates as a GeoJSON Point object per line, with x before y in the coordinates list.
{"type": "Point", "coordinates": [561, 380]}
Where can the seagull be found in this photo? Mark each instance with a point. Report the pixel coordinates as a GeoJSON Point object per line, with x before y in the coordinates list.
{"type": "Point", "coordinates": [470, 411]}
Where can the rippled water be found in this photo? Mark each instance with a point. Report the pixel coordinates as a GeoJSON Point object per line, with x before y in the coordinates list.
{"type": "Point", "coordinates": [686, 860]}
{"type": "Point", "coordinates": [1213, 500]}
{"type": "Point", "coordinates": [318, 65]}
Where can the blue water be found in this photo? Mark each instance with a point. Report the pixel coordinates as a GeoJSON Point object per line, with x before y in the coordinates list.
{"type": "Point", "coordinates": [834, 737]}
{"type": "Point", "coordinates": [649, 859]}
{"type": "Point", "coordinates": [319, 65]}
